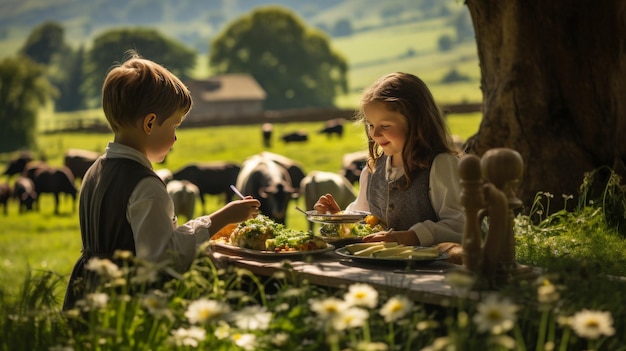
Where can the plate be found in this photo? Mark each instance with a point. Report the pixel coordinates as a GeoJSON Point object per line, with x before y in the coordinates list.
{"type": "Point", "coordinates": [257, 253]}
{"type": "Point", "coordinates": [337, 218]}
{"type": "Point", "coordinates": [390, 260]}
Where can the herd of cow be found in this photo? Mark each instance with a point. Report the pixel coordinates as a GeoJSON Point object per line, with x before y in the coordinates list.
{"type": "Point", "coordinates": [272, 178]}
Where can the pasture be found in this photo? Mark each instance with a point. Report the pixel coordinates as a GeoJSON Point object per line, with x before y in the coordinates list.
{"type": "Point", "coordinates": [41, 240]}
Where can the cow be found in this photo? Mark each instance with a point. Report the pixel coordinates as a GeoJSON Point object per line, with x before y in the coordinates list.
{"type": "Point", "coordinates": [24, 191]}
{"type": "Point", "coordinates": [165, 174]}
{"type": "Point", "coordinates": [16, 166]}
{"type": "Point", "coordinates": [318, 183]}
{"type": "Point", "coordinates": [334, 126]}
{"type": "Point", "coordinates": [213, 178]}
{"type": "Point", "coordinates": [265, 180]}
{"type": "Point", "coordinates": [293, 167]}
{"type": "Point", "coordinates": [352, 164]}
{"type": "Point", "coordinates": [184, 194]}
{"type": "Point", "coordinates": [300, 136]}
{"type": "Point", "coordinates": [5, 194]}
{"type": "Point", "coordinates": [266, 130]}
{"type": "Point", "coordinates": [55, 180]}
{"type": "Point", "coordinates": [78, 161]}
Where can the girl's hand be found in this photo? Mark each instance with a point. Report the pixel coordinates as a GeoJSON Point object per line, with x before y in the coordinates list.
{"type": "Point", "coordinates": [407, 237]}
{"type": "Point", "coordinates": [326, 204]}
{"type": "Point", "coordinates": [236, 211]}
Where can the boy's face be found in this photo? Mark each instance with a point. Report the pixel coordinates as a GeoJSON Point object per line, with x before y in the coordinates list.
{"type": "Point", "coordinates": [162, 137]}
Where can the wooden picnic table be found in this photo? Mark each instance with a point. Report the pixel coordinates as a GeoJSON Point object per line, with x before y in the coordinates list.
{"type": "Point", "coordinates": [423, 283]}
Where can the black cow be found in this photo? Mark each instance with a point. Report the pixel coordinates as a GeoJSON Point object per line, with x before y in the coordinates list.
{"type": "Point", "coordinates": [24, 191]}
{"type": "Point", "coordinates": [334, 126]}
{"type": "Point", "coordinates": [55, 181]}
{"type": "Point", "coordinates": [266, 130]}
{"type": "Point", "coordinates": [17, 165]}
{"type": "Point", "coordinates": [265, 180]}
{"type": "Point", "coordinates": [5, 195]}
{"type": "Point", "coordinates": [213, 178]}
{"type": "Point", "coordinates": [352, 165]}
{"type": "Point", "coordinates": [295, 137]}
{"type": "Point", "coordinates": [79, 161]}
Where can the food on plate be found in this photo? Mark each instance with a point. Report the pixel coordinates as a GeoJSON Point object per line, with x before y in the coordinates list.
{"type": "Point", "coordinates": [392, 250]}
{"type": "Point", "coordinates": [371, 224]}
{"type": "Point", "coordinates": [263, 234]}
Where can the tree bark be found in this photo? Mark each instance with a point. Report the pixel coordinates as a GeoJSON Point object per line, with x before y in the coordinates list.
{"type": "Point", "coordinates": [554, 85]}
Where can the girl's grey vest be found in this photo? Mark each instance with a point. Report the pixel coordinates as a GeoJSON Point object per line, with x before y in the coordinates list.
{"type": "Point", "coordinates": [400, 208]}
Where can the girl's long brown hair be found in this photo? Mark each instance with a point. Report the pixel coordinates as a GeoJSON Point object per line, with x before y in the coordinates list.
{"type": "Point", "coordinates": [427, 134]}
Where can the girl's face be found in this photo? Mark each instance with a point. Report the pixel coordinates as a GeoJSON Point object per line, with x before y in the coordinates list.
{"type": "Point", "coordinates": [163, 137]}
{"type": "Point", "coordinates": [387, 128]}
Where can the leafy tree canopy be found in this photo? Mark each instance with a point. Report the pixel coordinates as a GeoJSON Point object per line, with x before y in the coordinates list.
{"type": "Point", "coordinates": [294, 64]}
{"type": "Point", "coordinates": [110, 49]}
{"type": "Point", "coordinates": [23, 91]}
{"type": "Point", "coordinates": [44, 42]}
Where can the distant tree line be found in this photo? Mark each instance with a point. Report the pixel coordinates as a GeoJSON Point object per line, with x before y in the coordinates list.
{"type": "Point", "coordinates": [294, 64]}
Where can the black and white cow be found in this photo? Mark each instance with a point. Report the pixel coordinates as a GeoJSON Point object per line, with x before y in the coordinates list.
{"type": "Point", "coordinates": [265, 180]}
{"type": "Point", "coordinates": [352, 164]}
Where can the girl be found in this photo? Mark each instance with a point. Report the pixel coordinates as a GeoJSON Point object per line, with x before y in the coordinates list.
{"type": "Point", "coordinates": [411, 181]}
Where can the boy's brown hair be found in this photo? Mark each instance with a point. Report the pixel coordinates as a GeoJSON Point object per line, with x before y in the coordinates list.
{"type": "Point", "coordinates": [139, 87]}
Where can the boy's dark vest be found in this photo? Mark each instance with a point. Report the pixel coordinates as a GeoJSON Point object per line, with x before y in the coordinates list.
{"type": "Point", "coordinates": [104, 195]}
{"type": "Point", "coordinates": [398, 207]}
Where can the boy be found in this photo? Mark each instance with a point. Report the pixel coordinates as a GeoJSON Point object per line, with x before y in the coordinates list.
{"type": "Point", "coordinates": [124, 205]}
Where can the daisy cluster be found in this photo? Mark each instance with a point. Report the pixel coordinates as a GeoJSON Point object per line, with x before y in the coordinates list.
{"type": "Point", "coordinates": [208, 309]}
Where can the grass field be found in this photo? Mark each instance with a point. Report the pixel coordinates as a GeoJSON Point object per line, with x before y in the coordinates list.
{"type": "Point", "coordinates": [41, 240]}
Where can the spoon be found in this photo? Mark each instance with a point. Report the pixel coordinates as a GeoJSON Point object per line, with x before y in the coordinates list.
{"type": "Point", "coordinates": [301, 210]}
{"type": "Point", "coordinates": [236, 191]}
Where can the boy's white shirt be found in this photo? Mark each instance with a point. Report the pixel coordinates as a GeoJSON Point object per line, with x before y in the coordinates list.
{"type": "Point", "coordinates": [150, 212]}
{"type": "Point", "coordinates": [444, 194]}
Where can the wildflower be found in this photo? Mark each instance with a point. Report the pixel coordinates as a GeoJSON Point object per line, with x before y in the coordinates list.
{"type": "Point", "coordinates": [353, 317]}
{"type": "Point", "coordinates": [502, 340]}
{"type": "Point", "coordinates": [425, 325]}
{"type": "Point", "coordinates": [395, 308]}
{"type": "Point", "coordinates": [203, 309]}
{"type": "Point", "coordinates": [253, 318]}
{"type": "Point", "coordinates": [327, 308]}
{"type": "Point", "coordinates": [280, 339]}
{"type": "Point", "coordinates": [222, 331]}
{"type": "Point", "coordinates": [495, 314]}
{"type": "Point", "coordinates": [547, 293]}
{"type": "Point", "coordinates": [361, 295]}
{"type": "Point", "coordinates": [245, 341]}
{"type": "Point", "coordinates": [122, 255]}
{"type": "Point", "coordinates": [591, 324]}
{"type": "Point", "coordinates": [441, 344]}
{"type": "Point", "coordinates": [97, 300]}
{"type": "Point", "coordinates": [188, 337]}
{"type": "Point", "coordinates": [145, 274]}
{"type": "Point", "coordinates": [460, 282]}
{"type": "Point", "coordinates": [156, 303]}
{"type": "Point", "coordinates": [371, 346]}
{"type": "Point", "coordinates": [104, 267]}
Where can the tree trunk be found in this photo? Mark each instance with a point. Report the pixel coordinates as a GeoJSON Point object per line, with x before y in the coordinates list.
{"type": "Point", "coordinates": [554, 85]}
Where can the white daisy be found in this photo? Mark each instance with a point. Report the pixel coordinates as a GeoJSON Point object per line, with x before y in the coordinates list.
{"type": "Point", "coordinates": [222, 331]}
{"type": "Point", "coordinates": [156, 304]}
{"type": "Point", "coordinates": [203, 309]}
{"type": "Point", "coordinates": [495, 314]}
{"type": "Point", "coordinates": [188, 337]}
{"type": "Point", "coordinates": [97, 300]}
{"type": "Point", "coordinates": [396, 308]}
{"type": "Point", "coordinates": [591, 324]}
{"type": "Point", "coordinates": [327, 308]}
{"type": "Point", "coordinates": [547, 292]}
{"type": "Point", "coordinates": [353, 317]}
{"type": "Point", "coordinates": [253, 318]}
{"type": "Point", "coordinates": [104, 267]}
{"type": "Point", "coordinates": [360, 294]}
{"type": "Point", "coordinates": [245, 341]}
